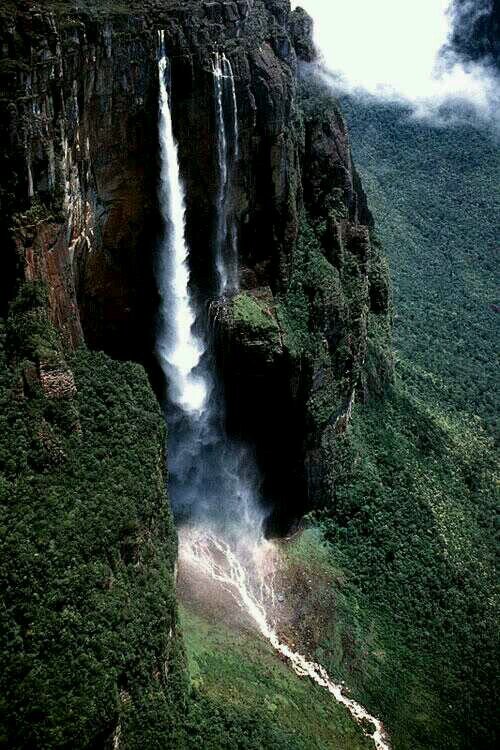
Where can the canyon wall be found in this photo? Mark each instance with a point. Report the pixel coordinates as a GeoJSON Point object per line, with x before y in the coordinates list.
{"type": "Point", "coordinates": [307, 334]}
{"type": "Point", "coordinates": [79, 100]}
{"type": "Point", "coordinates": [79, 112]}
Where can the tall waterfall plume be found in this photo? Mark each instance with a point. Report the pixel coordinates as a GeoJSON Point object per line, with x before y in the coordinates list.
{"type": "Point", "coordinates": [226, 113]}
{"type": "Point", "coordinates": [179, 349]}
{"type": "Point", "coordinates": [213, 479]}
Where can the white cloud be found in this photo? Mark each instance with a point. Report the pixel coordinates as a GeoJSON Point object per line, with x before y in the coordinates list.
{"type": "Point", "coordinates": [390, 49]}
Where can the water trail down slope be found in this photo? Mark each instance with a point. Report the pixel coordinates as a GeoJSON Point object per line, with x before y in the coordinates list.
{"type": "Point", "coordinates": [226, 239]}
{"type": "Point", "coordinates": [249, 580]}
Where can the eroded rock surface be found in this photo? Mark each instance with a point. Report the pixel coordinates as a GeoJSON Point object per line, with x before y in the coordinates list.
{"type": "Point", "coordinates": [79, 190]}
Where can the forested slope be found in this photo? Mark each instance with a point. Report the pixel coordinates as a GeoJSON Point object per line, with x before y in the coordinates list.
{"type": "Point", "coordinates": [434, 191]}
{"type": "Point", "coordinates": [89, 645]}
{"type": "Point", "coordinates": [412, 517]}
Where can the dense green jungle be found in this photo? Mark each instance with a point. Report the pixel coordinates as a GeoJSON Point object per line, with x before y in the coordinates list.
{"type": "Point", "coordinates": [343, 390]}
{"type": "Point", "coordinates": [415, 520]}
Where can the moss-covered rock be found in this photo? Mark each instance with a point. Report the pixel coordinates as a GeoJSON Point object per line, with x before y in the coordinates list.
{"type": "Point", "coordinates": [253, 323]}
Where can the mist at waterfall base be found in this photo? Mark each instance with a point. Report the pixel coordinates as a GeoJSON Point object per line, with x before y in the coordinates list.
{"type": "Point", "coordinates": [400, 51]}
{"type": "Point", "coordinates": [213, 481]}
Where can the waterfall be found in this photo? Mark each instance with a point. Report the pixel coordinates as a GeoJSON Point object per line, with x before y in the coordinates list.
{"type": "Point", "coordinates": [179, 349]}
{"type": "Point", "coordinates": [212, 479]}
{"type": "Point", "coordinates": [226, 237]}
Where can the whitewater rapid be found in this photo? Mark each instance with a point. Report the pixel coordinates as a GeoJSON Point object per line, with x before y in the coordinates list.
{"type": "Point", "coordinates": [249, 577]}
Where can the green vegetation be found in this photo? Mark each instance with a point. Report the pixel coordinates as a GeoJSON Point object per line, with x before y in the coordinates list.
{"type": "Point", "coordinates": [88, 640]}
{"type": "Point", "coordinates": [314, 296]}
{"type": "Point", "coordinates": [337, 318]}
{"type": "Point", "coordinates": [411, 524]}
{"type": "Point", "coordinates": [251, 318]}
{"type": "Point", "coordinates": [413, 489]}
{"type": "Point", "coordinates": [251, 312]}
{"type": "Point", "coordinates": [260, 701]}
{"type": "Point", "coordinates": [435, 194]}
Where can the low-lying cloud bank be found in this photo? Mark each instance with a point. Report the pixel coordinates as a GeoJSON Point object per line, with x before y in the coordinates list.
{"type": "Point", "coordinates": [433, 55]}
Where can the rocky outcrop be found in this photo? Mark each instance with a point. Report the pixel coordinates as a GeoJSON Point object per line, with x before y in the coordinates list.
{"type": "Point", "coordinates": [78, 111]}
{"type": "Point", "coordinates": [305, 238]}
{"type": "Point", "coordinates": [301, 30]}
{"type": "Point", "coordinates": [255, 38]}
{"type": "Point", "coordinates": [330, 304]}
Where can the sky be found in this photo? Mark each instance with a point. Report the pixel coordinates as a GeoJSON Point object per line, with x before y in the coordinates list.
{"type": "Point", "coordinates": [390, 49]}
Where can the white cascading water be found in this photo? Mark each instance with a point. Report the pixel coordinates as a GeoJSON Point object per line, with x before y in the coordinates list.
{"type": "Point", "coordinates": [179, 349]}
{"type": "Point", "coordinates": [226, 238]}
{"type": "Point", "coordinates": [213, 480]}
{"type": "Point", "coordinates": [248, 577]}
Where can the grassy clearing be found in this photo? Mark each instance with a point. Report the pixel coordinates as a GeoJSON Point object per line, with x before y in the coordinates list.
{"type": "Point", "coordinates": [251, 312]}
{"type": "Point", "coordinates": [233, 666]}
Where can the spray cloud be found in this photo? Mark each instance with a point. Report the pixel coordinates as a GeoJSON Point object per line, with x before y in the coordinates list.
{"type": "Point", "coordinates": [399, 50]}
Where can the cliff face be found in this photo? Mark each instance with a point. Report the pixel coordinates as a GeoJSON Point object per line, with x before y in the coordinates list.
{"type": "Point", "coordinates": [254, 36]}
{"type": "Point", "coordinates": [80, 114]}
{"type": "Point", "coordinates": [311, 326]}
{"type": "Point", "coordinates": [308, 332]}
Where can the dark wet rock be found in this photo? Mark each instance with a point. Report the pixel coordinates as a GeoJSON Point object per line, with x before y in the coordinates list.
{"type": "Point", "coordinates": [79, 209]}
{"type": "Point", "coordinates": [301, 28]}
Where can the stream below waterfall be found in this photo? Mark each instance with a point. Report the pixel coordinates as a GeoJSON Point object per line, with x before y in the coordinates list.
{"type": "Point", "coordinates": [214, 481]}
{"type": "Point", "coordinates": [247, 573]}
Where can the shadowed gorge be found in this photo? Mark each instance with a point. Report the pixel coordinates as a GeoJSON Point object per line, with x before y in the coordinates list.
{"type": "Point", "coordinates": [246, 498]}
